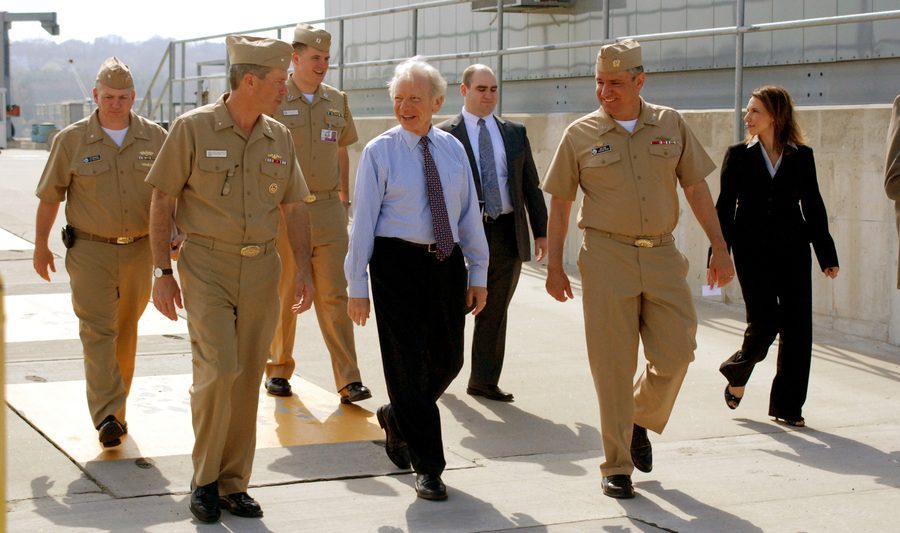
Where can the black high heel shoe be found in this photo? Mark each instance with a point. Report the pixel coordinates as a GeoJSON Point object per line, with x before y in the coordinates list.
{"type": "Point", "coordinates": [731, 400]}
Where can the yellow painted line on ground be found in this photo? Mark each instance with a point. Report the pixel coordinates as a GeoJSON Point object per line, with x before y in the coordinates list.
{"type": "Point", "coordinates": [49, 317]}
{"type": "Point", "coordinates": [159, 418]}
{"type": "Point", "coordinates": [11, 241]}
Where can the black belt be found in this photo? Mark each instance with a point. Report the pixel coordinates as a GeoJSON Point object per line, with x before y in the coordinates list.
{"type": "Point", "coordinates": [430, 248]}
{"type": "Point", "coordinates": [108, 240]}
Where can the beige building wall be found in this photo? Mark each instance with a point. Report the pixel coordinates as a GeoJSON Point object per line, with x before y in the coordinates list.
{"type": "Point", "coordinates": [849, 144]}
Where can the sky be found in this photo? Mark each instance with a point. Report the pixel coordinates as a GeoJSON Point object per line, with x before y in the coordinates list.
{"type": "Point", "coordinates": [174, 19]}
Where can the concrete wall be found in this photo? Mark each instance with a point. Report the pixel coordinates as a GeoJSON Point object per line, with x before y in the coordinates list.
{"type": "Point", "coordinates": [849, 145]}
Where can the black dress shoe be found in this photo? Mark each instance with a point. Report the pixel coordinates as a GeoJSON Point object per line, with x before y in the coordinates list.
{"type": "Point", "coordinates": [278, 387]}
{"type": "Point", "coordinates": [355, 392]}
{"type": "Point", "coordinates": [641, 451]}
{"type": "Point", "coordinates": [110, 432]}
{"type": "Point", "coordinates": [205, 503]}
{"type": "Point", "coordinates": [618, 486]}
{"type": "Point", "coordinates": [396, 449]}
{"type": "Point", "coordinates": [430, 487]}
{"type": "Point", "coordinates": [491, 392]}
{"type": "Point", "coordinates": [241, 504]}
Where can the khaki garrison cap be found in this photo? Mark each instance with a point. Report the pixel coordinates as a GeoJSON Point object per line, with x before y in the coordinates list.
{"type": "Point", "coordinates": [115, 74]}
{"type": "Point", "coordinates": [619, 56]}
{"type": "Point", "coordinates": [246, 50]}
{"type": "Point", "coordinates": [311, 36]}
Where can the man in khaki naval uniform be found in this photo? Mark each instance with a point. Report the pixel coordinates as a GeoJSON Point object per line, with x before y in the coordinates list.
{"type": "Point", "coordinates": [98, 166]}
{"type": "Point", "coordinates": [892, 166]}
{"type": "Point", "coordinates": [322, 128]}
{"type": "Point", "coordinates": [627, 157]}
{"type": "Point", "coordinates": [231, 169]}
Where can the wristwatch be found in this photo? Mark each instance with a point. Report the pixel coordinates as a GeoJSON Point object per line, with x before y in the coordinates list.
{"type": "Point", "coordinates": [160, 272]}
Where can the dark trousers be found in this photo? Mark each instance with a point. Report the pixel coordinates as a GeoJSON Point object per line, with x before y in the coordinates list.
{"type": "Point", "coordinates": [489, 338]}
{"type": "Point", "coordinates": [420, 311]}
{"type": "Point", "coordinates": [777, 287]}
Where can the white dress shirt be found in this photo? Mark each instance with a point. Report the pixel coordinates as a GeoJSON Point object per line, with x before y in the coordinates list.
{"type": "Point", "coordinates": [472, 130]}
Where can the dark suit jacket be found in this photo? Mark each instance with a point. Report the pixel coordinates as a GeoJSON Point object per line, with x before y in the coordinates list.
{"type": "Point", "coordinates": [892, 167]}
{"type": "Point", "coordinates": [755, 208]}
{"type": "Point", "coordinates": [524, 190]}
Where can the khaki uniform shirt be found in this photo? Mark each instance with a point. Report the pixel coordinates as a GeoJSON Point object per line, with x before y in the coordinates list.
{"type": "Point", "coordinates": [629, 180]}
{"type": "Point", "coordinates": [228, 185]}
{"type": "Point", "coordinates": [102, 183]}
{"type": "Point", "coordinates": [318, 129]}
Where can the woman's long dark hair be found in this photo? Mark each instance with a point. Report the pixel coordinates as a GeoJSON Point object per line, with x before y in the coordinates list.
{"type": "Point", "coordinates": [778, 103]}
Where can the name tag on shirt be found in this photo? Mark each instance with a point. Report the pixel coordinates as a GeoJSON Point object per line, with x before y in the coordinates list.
{"type": "Point", "coordinates": [601, 149]}
{"type": "Point", "coordinates": [290, 112]}
{"type": "Point", "coordinates": [217, 153]}
{"type": "Point", "coordinates": [91, 158]}
{"type": "Point", "coordinates": [329, 136]}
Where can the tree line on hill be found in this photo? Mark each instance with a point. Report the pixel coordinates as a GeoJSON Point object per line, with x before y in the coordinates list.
{"type": "Point", "coordinates": [44, 72]}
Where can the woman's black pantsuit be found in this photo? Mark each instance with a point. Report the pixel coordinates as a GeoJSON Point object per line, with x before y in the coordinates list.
{"type": "Point", "coordinates": [769, 223]}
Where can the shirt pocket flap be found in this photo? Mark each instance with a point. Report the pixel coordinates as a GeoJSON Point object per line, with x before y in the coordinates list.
{"type": "Point", "coordinates": [336, 123]}
{"type": "Point", "coordinates": [602, 160]}
{"type": "Point", "coordinates": [276, 170]}
{"type": "Point", "coordinates": [94, 168]}
{"type": "Point", "coordinates": [293, 121]}
{"type": "Point", "coordinates": [214, 164]}
{"type": "Point", "coordinates": [665, 150]}
{"type": "Point", "coordinates": [143, 165]}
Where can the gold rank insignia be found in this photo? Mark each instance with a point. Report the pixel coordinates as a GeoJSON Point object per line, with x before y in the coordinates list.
{"type": "Point", "coordinates": [146, 155]}
{"type": "Point", "coordinates": [273, 188]}
{"type": "Point", "coordinates": [309, 198]}
{"type": "Point", "coordinates": [616, 63]}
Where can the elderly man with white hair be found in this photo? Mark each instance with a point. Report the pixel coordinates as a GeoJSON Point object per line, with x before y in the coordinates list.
{"type": "Point", "coordinates": [417, 228]}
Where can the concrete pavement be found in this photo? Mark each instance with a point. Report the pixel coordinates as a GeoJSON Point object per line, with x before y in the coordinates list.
{"type": "Point", "coordinates": [531, 465]}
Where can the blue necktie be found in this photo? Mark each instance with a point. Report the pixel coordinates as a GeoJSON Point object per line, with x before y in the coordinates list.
{"type": "Point", "coordinates": [490, 189]}
{"type": "Point", "coordinates": [443, 235]}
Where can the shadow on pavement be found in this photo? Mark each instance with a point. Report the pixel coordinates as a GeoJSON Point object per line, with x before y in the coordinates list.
{"type": "Point", "coordinates": [832, 453]}
{"type": "Point", "coordinates": [522, 436]}
{"type": "Point", "coordinates": [701, 517]}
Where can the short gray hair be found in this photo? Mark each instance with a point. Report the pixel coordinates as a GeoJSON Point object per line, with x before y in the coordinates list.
{"type": "Point", "coordinates": [237, 72]}
{"type": "Point", "coordinates": [418, 66]}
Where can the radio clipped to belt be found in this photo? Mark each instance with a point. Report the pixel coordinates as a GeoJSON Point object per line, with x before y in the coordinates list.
{"type": "Point", "coordinates": [68, 236]}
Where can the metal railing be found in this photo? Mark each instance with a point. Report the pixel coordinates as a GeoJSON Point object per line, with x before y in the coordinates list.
{"type": "Point", "coordinates": [150, 106]}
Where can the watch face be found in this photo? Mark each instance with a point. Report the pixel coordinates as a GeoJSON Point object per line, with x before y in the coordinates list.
{"type": "Point", "coordinates": [157, 272]}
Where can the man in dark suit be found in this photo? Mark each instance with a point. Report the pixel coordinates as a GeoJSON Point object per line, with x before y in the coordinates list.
{"type": "Point", "coordinates": [507, 184]}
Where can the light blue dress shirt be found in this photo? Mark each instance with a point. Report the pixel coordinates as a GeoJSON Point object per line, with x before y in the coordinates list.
{"type": "Point", "coordinates": [390, 200]}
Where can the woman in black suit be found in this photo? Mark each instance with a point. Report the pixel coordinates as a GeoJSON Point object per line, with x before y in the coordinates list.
{"type": "Point", "coordinates": [770, 210]}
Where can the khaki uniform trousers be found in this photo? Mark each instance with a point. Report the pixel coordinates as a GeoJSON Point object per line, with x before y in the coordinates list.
{"type": "Point", "coordinates": [232, 308]}
{"type": "Point", "coordinates": [634, 293]}
{"type": "Point", "coordinates": [111, 286]}
{"type": "Point", "coordinates": [329, 240]}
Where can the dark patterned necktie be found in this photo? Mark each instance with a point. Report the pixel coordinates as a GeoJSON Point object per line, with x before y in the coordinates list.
{"type": "Point", "coordinates": [490, 189]}
{"type": "Point", "coordinates": [443, 236]}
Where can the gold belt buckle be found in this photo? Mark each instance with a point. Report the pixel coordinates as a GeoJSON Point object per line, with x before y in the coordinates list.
{"type": "Point", "coordinates": [643, 243]}
{"type": "Point", "coordinates": [250, 251]}
{"type": "Point", "coordinates": [124, 240]}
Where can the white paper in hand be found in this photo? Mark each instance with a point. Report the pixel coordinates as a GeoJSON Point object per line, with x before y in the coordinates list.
{"type": "Point", "coordinates": [711, 291]}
